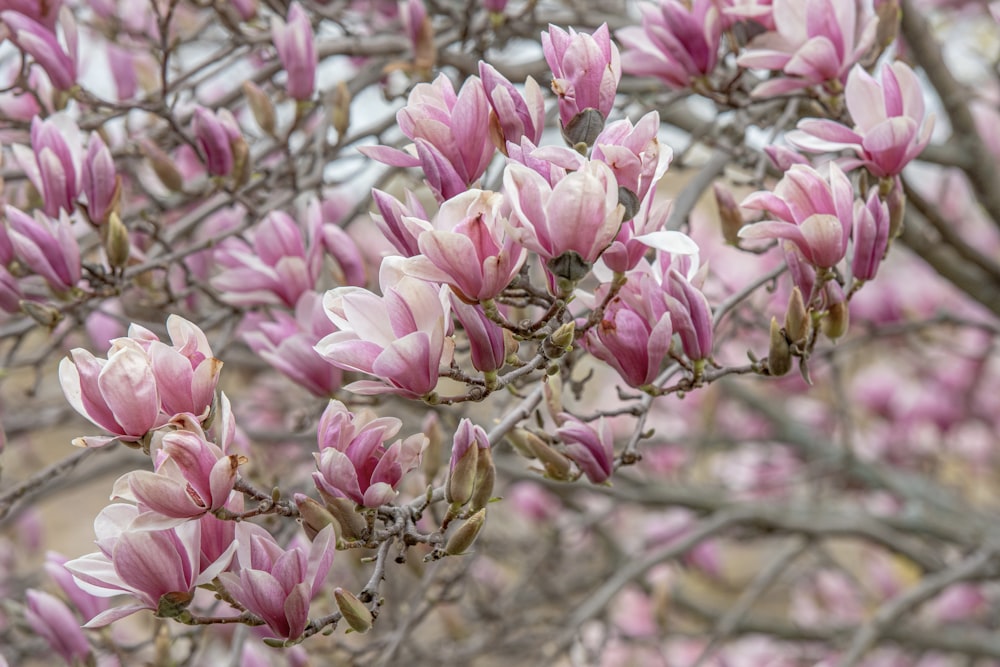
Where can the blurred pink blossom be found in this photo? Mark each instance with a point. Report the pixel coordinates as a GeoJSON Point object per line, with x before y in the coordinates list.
{"type": "Point", "coordinates": [296, 48]}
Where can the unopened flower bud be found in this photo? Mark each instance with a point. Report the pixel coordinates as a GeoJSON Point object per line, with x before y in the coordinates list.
{"type": "Point", "coordinates": [552, 388]}
{"type": "Point", "coordinates": [486, 474]}
{"type": "Point", "coordinates": [896, 201]}
{"type": "Point", "coordinates": [352, 525]}
{"type": "Point", "coordinates": [837, 312]}
{"type": "Point", "coordinates": [581, 131]}
{"type": "Point", "coordinates": [261, 106]}
{"type": "Point", "coordinates": [796, 317]}
{"type": "Point", "coordinates": [462, 476]}
{"type": "Point", "coordinates": [531, 446]}
{"type": "Point", "coordinates": [44, 314]}
{"type": "Point", "coordinates": [463, 538]}
{"type": "Point", "coordinates": [629, 201]}
{"type": "Point", "coordinates": [560, 342]}
{"type": "Point", "coordinates": [354, 611]}
{"type": "Point", "coordinates": [340, 108]}
{"type": "Point", "coordinates": [241, 161]}
{"type": "Point", "coordinates": [779, 355]}
{"type": "Point", "coordinates": [730, 217]}
{"type": "Point", "coordinates": [117, 246]}
{"type": "Point", "coordinates": [163, 166]}
{"type": "Point", "coordinates": [314, 516]}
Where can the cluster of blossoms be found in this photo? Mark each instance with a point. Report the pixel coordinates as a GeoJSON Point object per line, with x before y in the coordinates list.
{"type": "Point", "coordinates": [509, 276]}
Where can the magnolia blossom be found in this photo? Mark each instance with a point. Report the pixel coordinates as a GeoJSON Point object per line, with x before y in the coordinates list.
{"type": "Point", "coordinates": [296, 48]}
{"type": "Point", "coordinates": [514, 115]}
{"type": "Point", "coordinates": [353, 461]}
{"type": "Point", "coordinates": [101, 182]}
{"type": "Point", "coordinates": [814, 213]}
{"type": "Point", "coordinates": [52, 164]}
{"type": "Point", "coordinates": [143, 382]}
{"type": "Point", "coordinates": [52, 620]}
{"type": "Point", "coordinates": [39, 41]}
{"type": "Point", "coordinates": [674, 42]}
{"type": "Point", "coordinates": [591, 448]}
{"type": "Point", "coordinates": [193, 477]}
{"type": "Point", "coordinates": [450, 133]}
{"type": "Point", "coordinates": [278, 267]}
{"type": "Point", "coordinates": [399, 337]}
{"type": "Point", "coordinates": [580, 214]}
{"type": "Point", "coordinates": [468, 246]}
{"type": "Point", "coordinates": [815, 42]}
{"type": "Point", "coordinates": [487, 343]}
{"type": "Point", "coordinates": [217, 134]}
{"type": "Point", "coordinates": [146, 564]}
{"type": "Point", "coordinates": [890, 123]}
{"type": "Point", "coordinates": [871, 236]}
{"type": "Point", "coordinates": [278, 584]}
{"type": "Point", "coordinates": [634, 153]}
{"type": "Point", "coordinates": [585, 70]}
{"type": "Point", "coordinates": [394, 221]}
{"type": "Point", "coordinates": [288, 343]}
{"type": "Point", "coordinates": [47, 247]}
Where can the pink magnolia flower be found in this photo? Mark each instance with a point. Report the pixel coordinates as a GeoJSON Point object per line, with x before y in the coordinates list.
{"type": "Point", "coordinates": [193, 477]}
{"type": "Point", "coordinates": [890, 123]}
{"type": "Point", "coordinates": [469, 440]}
{"type": "Point", "coordinates": [143, 383]}
{"type": "Point", "coordinates": [53, 162]}
{"type": "Point", "coordinates": [52, 620]}
{"type": "Point", "coordinates": [146, 564]}
{"type": "Point", "coordinates": [279, 266]}
{"type": "Point", "coordinates": [585, 69]}
{"type": "Point", "coordinates": [450, 134]}
{"type": "Point", "coordinates": [101, 182]}
{"type": "Point", "coordinates": [514, 115]}
{"type": "Point", "coordinates": [42, 12]}
{"type": "Point", "coordinates": [83, 602]}
{"type": "Point", "coordinates": [690, 313]}
{"type": "Point", "coordinates": [629, 247]}
{"type": "Point", "coordinates": [487, 345]}
{"type": "Point", "coordinates": [46, 247]}
{"type": "Point", "coordinates": [288, 343]}
{"type": "Point", "coordinates": [297, 50]}
{"type": "Point", "coordinates": [353, 460]}
{"type": "Point", "coordinates": [871, 236]}
{"type": "Point", "coordinates": [468, 246]}
{"type": "Point", "coordinates": [393, 221]}
{"type": "Point", "coordinates": [186, 372]}
{"type": "Point", "coordinates": [215, 134]}
{"type": "Point", "coordinates": [278, 584]}
{"type": "Point", "coordinates": [118, 394]}
{"type": "Point", "coordinates": [40, 42]}
{"type": "Point", "coordinates": [815, 42]}
{"type": "Point", "coordinates": [814, 213]}
{"type": "Point", "coordinates": [399, 337]}
{"type": "Point", "coordinates": [634, 153]}
{"type": "Point", "coordinates": [634, 334]}
{"type": "Point", "coordinates": [581, 214]}
{"type": "Point", "coordinates": [674, 42]}
{"type": "Point", "coordinates": [591, 448]}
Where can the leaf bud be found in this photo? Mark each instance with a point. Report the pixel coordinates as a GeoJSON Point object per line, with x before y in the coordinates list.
{"type": "Point", "coordinates": [779, 355]}
{"type": "Point", "coordinates": [466, 535]}
{"type": "Point", "coordinates": [354, 611]}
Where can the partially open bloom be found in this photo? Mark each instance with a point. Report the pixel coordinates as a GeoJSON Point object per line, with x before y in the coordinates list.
{"type": "Point", "coordinates": [581, 214]}
{"type": "Point", "coordinates": [815, 42]}
{"type": "Point", "coordinates": [487, 344]}
{"type": "Point", "coordinates": [890, 129]}
{"type": "Point", "coordinates": [634, 334]}
{"type": "Point", "coordinates": [40, 42]}
{"type": "Point", "coordinates": [354, 461]}
{"type": "Point", "coordinates": [634, 153]}
{"type": "Point", "coordinates": [450, 133]}
{"type": "Point", "coordinates": [217, 135]}
{"type": "Point", "coordinates": [592, 449]}
{"type": "Point", "coordinates": [146, 564]}
{"type": "Point", "coordinates": [814, 213]}
{"type": "Point", "coordinates": [52, 620]}
{"type": "Point", "coordinates": [278, 267]}
{"type": "Point", "coordinates": [398, 337]}
{"type": "Point", "coordinates": [673, 42]}
{"type": "Point", "coordinates": [288, 344]}
{"type": "Point", "coordinates": [47, 247]}
{"type": "Point", "coordinates": [193, 477]}
{"type": "Point", "coordinates": [468, 246]}
{"type": "Point", "coordinates": [585, 70]}
{"type": "Point", "coordinates": [297, 50]}
{"type": "Point", "coordinates": [53, 162]}
{"type": "Point", "coordinates": [278, 584]}
{"type": "Point", "coordinates": [514, 115]}
{"type": "Point", "coordinates": [101, 183]}
{"type": "Point", "coordinates": [871, 236]}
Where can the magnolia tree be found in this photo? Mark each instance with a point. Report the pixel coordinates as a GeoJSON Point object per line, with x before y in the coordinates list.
{"type": "Point", "coordinates": [457, 332]}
